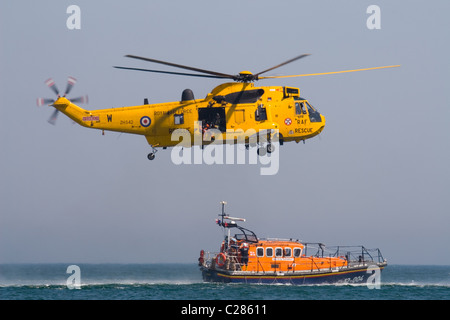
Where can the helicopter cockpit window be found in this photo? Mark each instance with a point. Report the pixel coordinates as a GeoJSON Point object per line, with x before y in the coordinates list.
{"type": "Point", "coordinates": [300, 108]}
{"type": "Point", "coordinates": [314, 116]}
{"type": "Point", "coordinates": [179, 118]}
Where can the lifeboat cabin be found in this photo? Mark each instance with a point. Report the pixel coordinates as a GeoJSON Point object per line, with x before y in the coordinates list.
{"type": "Point", "coordinates": [244, 257]}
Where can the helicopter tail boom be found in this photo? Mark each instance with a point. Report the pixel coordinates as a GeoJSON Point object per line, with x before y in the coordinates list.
{"type": "Point", "coordinates": [74, 112]}
{"type": "Point", "coordinates": [105, 119]}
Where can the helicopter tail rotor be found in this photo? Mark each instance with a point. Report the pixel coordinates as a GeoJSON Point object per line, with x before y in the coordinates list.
{"type": "Point", "coordinates": [51, 84]}
{"type": "Point", "coordinates": [82, 99]}
{"type": "Point", "coordinates": [47, 101]}
{"type": "Point", "coordinates": [70, 83]}
{"type": "Point", "coordinates": [54, 116]}
{"type": "Point", "coordinates": [41, 101]}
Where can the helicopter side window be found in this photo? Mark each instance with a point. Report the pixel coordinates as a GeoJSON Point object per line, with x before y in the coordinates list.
{"type": "Point", "coordinates": [269, 252]}
{"type": "Point", "coordinates": [300, 108]}
{"type": "Point", "coordinates": [260, 113]}
{"type": "Point", "coordinates": [179, 118]}
{"type": "Point", "coordinates": [247, 96]}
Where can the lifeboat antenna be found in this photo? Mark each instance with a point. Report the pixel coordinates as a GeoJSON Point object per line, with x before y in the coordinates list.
{"type": "Point", "coordinates": [224, 216]}
{"type": "Point", "coordinates": [231, 223]}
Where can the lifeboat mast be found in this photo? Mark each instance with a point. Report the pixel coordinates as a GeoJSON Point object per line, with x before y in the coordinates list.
{"type": "Point", "coordinates": [232, 224]}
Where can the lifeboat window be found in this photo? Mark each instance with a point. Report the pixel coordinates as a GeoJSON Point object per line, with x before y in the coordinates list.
{"type": "Point", "coordinates": [260, 252]}
{"type": "Point", "coordinates": [278, 252]}
{"type": "Point", "coordinates": [297, 252]}
{"type": "Point", "coordinates": [287, 252]}
{"type": "Point", "coordinates": [269, 252]}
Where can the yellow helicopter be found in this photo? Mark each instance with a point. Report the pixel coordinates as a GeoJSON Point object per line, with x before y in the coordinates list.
{"type": "Point", "coordinates": [233, 112]}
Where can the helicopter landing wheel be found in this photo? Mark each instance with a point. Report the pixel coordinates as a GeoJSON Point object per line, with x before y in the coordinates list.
{"type": "Point", "coordinates": [152, 154]}
{"type": "Point", "coordinates": [270, 148]}
{"type": "Point", "coordinates": [261, 151]}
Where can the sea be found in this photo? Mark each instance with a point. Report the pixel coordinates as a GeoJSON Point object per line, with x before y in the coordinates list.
{"type": "Point", "coordinates": [179, 287]}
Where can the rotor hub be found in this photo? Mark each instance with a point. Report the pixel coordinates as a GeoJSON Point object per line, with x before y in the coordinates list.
{"type": "Point", "coordinates": [246, 76]}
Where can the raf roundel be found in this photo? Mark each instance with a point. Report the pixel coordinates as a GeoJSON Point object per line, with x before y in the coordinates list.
{"type": "Point", "coordinates": [145, 121]}
{"type": "Point", "coordinates": [288, 121]}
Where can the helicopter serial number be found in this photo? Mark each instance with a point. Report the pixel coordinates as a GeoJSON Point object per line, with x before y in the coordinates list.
{"type": "Point", "coordinates": [126, 121]}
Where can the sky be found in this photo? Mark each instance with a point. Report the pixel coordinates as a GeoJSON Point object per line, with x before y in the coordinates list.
{"type": "Point", "coordinates": [376, 176]}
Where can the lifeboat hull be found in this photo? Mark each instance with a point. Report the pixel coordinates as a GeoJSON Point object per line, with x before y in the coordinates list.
{"type": "Point", "coordinates": [355, 275]}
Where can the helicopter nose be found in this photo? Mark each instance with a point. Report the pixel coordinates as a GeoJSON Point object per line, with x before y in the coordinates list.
{"type": "Point", "coordinates": [320, 129]}
{"type": "Point", "coordinates": [323, 123]}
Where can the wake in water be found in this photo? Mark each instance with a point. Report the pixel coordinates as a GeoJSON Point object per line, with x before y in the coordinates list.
{"type": "Point", "coordinates": [183, 282]}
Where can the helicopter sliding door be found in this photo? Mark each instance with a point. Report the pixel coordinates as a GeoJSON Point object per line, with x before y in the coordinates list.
{"type": "Point", "coordinates": [213, 118]}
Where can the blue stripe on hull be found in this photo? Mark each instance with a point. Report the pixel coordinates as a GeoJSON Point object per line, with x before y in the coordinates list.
{"type": "Point", "coordinates": [346, 276]}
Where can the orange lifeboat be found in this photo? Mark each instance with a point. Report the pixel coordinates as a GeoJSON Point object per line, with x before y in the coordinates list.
{"type": "Point", "coordinates": [244, 257]}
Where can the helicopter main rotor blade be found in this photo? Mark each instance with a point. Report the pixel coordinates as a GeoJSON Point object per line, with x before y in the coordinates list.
{"type": "Point", "coordinates": [224, 75]}
{"type": "Point", "coordinates": [284, 63]}
{"type": "Point", "coordinates": [176, 73]}
{"type": "Point", "coordinates": [334, 72]}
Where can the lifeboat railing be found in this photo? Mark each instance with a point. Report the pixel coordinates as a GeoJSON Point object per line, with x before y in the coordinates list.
{"type": "Point", "coordinates": [231, 263]}
{"type": "Point", "coordinates": [355, 255]}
